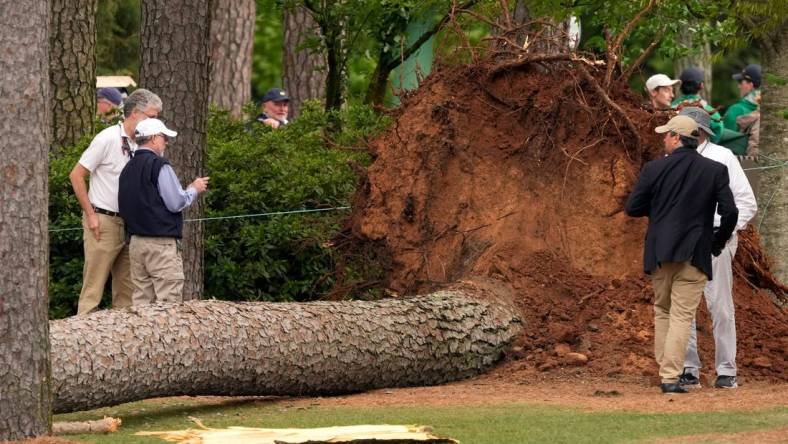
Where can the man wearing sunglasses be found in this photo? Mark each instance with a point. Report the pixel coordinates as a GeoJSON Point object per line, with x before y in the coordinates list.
{"type": "Point", "coordinates": [151, 202]}
{"type": "Point", "coordinates": [104, 236]}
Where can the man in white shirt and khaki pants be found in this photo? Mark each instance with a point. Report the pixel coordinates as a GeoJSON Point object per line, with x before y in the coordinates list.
{"type": "Point", "coordinates": [103, 231]}
{"type": "Point", "coordinates": [719, 291]}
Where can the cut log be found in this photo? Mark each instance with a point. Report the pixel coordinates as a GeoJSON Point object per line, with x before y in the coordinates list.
{"type": "Point", "coordinates": [105, 425]}
{"type": "Point", "coordinates": [361, 434]}
{"type": "Point", "coordinates": [308, 349]}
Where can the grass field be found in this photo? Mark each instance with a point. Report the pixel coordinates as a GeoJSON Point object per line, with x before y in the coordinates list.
{"type": "Point", "coordinates": [505, 423]}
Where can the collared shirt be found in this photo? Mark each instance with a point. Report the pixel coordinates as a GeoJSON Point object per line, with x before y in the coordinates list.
{"type": "Point", "coordinates": [105, 159]}
{"type": "Point", "coordinates": [740, 186]}
{"type": "Point", "coordinates": [174, 196]}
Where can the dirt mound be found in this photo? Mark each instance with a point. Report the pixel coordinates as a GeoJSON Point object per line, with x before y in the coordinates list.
{"type": "Point", "coordinates": [522, 176]}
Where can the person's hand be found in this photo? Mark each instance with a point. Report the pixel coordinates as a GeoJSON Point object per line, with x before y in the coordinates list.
{"type": "Point", "coordinates": [273, 123]}
{"type": "Point", "coordinates": [94, 225]}
{"type": "Point", "coordinates": [200, 184]}
{"type": "Point", "coordinates": [716, 247]}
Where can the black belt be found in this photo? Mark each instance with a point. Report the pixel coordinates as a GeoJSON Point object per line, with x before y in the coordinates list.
{"type": "Point", "coordinates": [107, 212]}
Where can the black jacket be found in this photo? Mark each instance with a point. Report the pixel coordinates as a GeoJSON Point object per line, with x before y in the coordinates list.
{"type": "Point", "coordinates": [679, 194]}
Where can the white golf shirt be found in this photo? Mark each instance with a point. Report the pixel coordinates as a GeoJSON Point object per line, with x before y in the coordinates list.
{"type": "Point", "coordinates": [740, 186]}
{"type": "Point", "coordinates": [105, 159]}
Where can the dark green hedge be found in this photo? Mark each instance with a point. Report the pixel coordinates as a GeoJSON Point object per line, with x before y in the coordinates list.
{"type": "Point", "coordinates": [253, 170]}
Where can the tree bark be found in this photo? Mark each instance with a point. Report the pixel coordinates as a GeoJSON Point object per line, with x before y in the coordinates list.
{"type": "Point", "coordinates": [174, 64]}
{"type": "Point", "coordinates": [700, 60]}
{"type": "Point", "coordinates": [72, 70]}
{"type": "Point", "coordinates": [25, 391]}
{"type": "Point", "coordinates": [308, 349]}
{"type": "Point", "coordinates": [232, 35]}
{"type": "Point", "coordinates": [304, 69]}
{"type": "Point", "coordinates": [335, 90]}
{"type": "Point", "coordinates": [773, 197]}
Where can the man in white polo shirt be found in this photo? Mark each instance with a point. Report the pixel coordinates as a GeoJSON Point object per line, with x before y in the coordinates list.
{"type": "Point", "coordinates": [103, 230]}
{"type": "Point", "coordinates": [660, 91]}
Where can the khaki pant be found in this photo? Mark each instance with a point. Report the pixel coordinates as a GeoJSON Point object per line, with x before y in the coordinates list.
{"type": "Point", "coordinates": [678, 287]}
{"type": "Point", "coordinates": [156, 270]}
{"type": "Point", "coordinates": [719, 300]}
{"type": "Point", "coordinates": [103, 257]}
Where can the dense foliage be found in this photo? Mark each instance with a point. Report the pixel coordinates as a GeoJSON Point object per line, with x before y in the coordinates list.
{"type": "Point", "coordinates": [253, 170]}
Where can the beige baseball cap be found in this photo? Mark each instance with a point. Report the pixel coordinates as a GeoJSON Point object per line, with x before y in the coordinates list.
{"type": "Point", "coordinates": [681, 125]}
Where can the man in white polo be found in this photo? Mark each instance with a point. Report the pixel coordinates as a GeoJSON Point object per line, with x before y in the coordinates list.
{"type": "Point", "coordinates": [151, 203]}
{"type": "Point", "coordinates": [719, 291]}
{"type": "Point", "coordinates": [103, 230]}
{"type": "Point", "coordinates": [660, 91]}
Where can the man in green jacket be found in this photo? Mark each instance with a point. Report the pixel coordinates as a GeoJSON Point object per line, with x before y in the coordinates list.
{"type": "Point", "coordinates": [691, 86]}
{"type": "Point", "coordinates": [750, 90]}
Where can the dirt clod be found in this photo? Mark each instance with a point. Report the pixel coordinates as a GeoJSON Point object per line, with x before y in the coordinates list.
{"type": "Point", "coordinates": [522, 177]}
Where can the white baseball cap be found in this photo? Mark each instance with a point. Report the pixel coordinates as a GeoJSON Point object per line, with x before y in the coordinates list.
{"type": "Point", "coordinates": [658, 80]}
{"type": "Point", "coordinates": [151, 127]}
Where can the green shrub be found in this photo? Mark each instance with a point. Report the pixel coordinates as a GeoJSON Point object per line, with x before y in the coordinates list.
{"type": "Point", "coordinates": [253, 170]}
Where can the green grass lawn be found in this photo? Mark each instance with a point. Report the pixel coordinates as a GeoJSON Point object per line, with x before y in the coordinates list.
{"type": "Point", "coordinates": [507, 423]}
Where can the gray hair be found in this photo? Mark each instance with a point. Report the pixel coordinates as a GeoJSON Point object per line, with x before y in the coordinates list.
{"type": "Point", "coordinates": [141, 99]}
{"type": "Point", "coordinates": [142, 140]}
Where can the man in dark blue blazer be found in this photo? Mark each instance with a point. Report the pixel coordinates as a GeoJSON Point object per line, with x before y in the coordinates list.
{"type": "Point", "coordinates": [679, 194]}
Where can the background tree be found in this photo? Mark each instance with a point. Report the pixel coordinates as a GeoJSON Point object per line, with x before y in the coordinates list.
{"type": "Point", "coordinates": [773, 198]}
{"type": "Point", "coordinates": [232, 35]}
{"type": "Point", "coordinates": [25, 391]}
{"type": "Point", "coordinates": [72, 64]}
{"type": "Point", "coordinates": [304, 65]}
{"type": "Point", "coordinates": [700, 57]}
{"type": "Point", "coordinates": [174, 64]}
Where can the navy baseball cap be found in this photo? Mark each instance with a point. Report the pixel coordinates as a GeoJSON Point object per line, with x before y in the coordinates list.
{"type": "Point", "coordinates": [275, 95]}
{"type": "Point", "coordinates": [751, 73]}
{"type": "Point", "coordinates": [692, 74]}
{"type": "Point", "coordinates": [110, 94]}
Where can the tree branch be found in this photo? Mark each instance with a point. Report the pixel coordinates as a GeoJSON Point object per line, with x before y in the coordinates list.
{"type": "Point", "coordinates": [610, 103]}
{"type": "Point", "coordinates": [642, 58]}
{"type": "Point", "coordinates": [396, 61]}
{"type": "Point", "coordinates": [615, 49]}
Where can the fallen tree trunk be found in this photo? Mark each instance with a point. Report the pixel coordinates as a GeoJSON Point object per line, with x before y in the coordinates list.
{"type": "Point", "coordinates": [234, 349]}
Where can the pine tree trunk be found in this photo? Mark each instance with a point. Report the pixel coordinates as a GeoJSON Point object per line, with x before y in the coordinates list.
{"type": "Point", "coordinates": [308, 349]}
{"type": "Point", "coordinates": [773, 189]}
{"type": "Point", "coordinates": [701, 60]}
{"type": "Point", "coordinates": [232, 35]}
{"type": "Point", "coordinates": [304, 70]}
{"type": "Point", "coordinates": [174, 64]}
{"type": "Point", "coordinates": [25, 392]}
{"type": "Point", "coordinates": [335, 90]}
{"type": "Point", "coordinates": [72, 69]}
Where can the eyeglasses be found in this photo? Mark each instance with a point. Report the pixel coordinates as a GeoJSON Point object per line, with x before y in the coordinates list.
{"type": "Point", "coordinates": [165, 137]}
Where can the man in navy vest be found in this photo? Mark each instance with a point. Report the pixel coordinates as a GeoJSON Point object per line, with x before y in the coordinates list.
{"type": "Point", "coordinates": [151, 202]}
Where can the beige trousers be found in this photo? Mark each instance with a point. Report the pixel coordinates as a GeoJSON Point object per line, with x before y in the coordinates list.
{"type": "Point", "coordinates": [156, 270]}
{"type": "Point", "coordinates": [103, 257]}
{"type": "Point", "coordinates": [678, 287]}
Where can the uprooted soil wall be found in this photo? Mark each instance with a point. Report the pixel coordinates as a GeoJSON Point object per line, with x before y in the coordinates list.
{"type": "Point", "coordinates": [522, 176]}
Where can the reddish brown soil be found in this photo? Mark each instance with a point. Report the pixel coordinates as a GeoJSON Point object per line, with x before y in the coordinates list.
{"type": "Point", "coordinates": [523, 178]}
